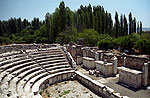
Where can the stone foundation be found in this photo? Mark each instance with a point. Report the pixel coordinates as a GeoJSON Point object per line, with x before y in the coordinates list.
{"type": "Point", "coordinates": [130, 77]}
{"type": "Point", "coordinates": [79, 60]}
{"type": "Point", "coordinates": [97, 87]}
{"type": "Point", "coordinates": [105, 69]}
{"type": "Point", "coordinates": [89, 63]}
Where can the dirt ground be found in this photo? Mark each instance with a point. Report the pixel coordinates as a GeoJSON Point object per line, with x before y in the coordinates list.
{"type": "Point", "coordinates": [68, 89]}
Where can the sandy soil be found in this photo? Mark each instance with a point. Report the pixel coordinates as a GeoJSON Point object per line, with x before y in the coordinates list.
{"type": "Point", "coordinates": [68, 89]}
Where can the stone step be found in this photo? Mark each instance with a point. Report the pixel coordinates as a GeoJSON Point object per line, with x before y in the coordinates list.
{"type": "Point", "coordinates": [36, 87]}
{"type": "Point", "coordinates": [7, 66]}
{"type": "Point", "coordinates": [39, 56]}
{"type": "Point", "coordinates": [54, 61]}
{"type": "Point", "coordinates": [7, 54]}
{"type": "Point", "coordinates": [11, 68]}
{"type": "Point", "coordinates": [5, 62]}
{"type": "Point", "coordinates": [21, 84]}
{"type": "Point", "coordinates": [49, 59]}
{"type": "Point", "coordinates": [55, 64]}
{"type": "Point", "coordinates": [44, 52]}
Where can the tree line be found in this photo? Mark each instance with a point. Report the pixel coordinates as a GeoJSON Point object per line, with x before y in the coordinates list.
{"type": "Point", "coordinates": [64, 25]}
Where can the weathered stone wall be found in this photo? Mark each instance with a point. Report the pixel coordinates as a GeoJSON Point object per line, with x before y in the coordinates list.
{"type": "Point", "coordinates": [97, 87]}
{"type": "Point", "coordinates": [54, 79]}
{"type": "Point", "coordinates": [135, 62]}
{"type": "Point", "coordinates": [89, 51]}
{"type": "Point", "coordinates": [89, 63]}
{"type": "Point", "coordinates": [8, 48]}
{"type": "Point", "coordinates": [130, 77]}
{"type": "Point", "coordinates": [149, 74]}
{"type": "Point", "coordinates": [75, 50]}
{"type": "Point", "coordinates": [120, 60]}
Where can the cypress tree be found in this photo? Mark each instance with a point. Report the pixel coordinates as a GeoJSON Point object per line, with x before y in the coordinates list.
{"type": "Point", "coordinates": [121, 25]}
{"type": "Point", "coordinates": [125, 26]}
{"type": "Point", "coordinates": [116, 24]}
{"type": "Point", "coordinates": [140, 27]}
{"type": "Point", "coordinates": [134, 25]}
{"type": "Point", "coordinates": [130, 23]}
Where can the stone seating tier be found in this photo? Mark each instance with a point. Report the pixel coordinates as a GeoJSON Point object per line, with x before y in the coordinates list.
{"type": "Point", "coordinates": [22, 70]}
{"type": "Point", "coordinates": [44, 53]}
{"type": "Point", "coordinates": [14, 59]}
{"type": "Point", "coordinates": [36, 57]}
{"type": "Point", "coordinates": [49, 59]}
{"type": "Point", "coordinates": [52, 79]}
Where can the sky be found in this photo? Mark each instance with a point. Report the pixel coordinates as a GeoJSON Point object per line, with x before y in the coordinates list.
{"type": "Point", "coordinates": [29, 9]}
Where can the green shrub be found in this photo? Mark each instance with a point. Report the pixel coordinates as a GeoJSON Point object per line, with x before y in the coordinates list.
{"type": "Point", "coordinates": [143, 45]}
{"type": "Point", "coordinates": [107, 43]}
{"type": "Point", "coordinates": [90, 37]}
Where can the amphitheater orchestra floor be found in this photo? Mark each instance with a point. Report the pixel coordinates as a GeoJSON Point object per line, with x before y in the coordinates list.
{"type": "Point", "coordinates": [123, 89]}
{"type": "Point", "coordinates": [68, 89]}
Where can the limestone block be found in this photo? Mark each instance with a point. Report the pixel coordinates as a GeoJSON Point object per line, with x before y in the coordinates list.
{"type": "Point", "coordinates": [89, 63]}
{"type": "Point", "coordinates": [145, 74]}
{"type": "Point", "coordinates": [130, 77]}
{"type": "Point", "coordinates": [96, 56]}
{"type": "Point", "coordinates": [105, 69]}
{"type": "Point", "coordinates": [79, 60]}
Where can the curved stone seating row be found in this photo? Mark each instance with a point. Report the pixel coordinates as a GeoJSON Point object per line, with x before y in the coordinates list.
{"type": "Point", "coordinates": [7, 54]}
{"type": "Point", "coordinates": [6, 69]}
{"type": "Point", "coordinates": [7, 76]}
{"type": "Point", "coordinates": [23, 70]}
{"type": "Point", "coordinates": [12, 59]}
{"type": "Point", "coordinates": [11, 67]}
{"type": "Point", "coordinates": [43, 52]}
{"type": "Point", "coordinates": [38, 51]}
{"type": "Point", "coordinates": [46, 54]}
{"type": "Point", "coordinates": [12, 77]}
{"type": "Point", "coordinates": [33, 79]}
{"type": "Point", "coordinates": [48, 59]}
{"type": "Point", "coordinates": [53, 78]}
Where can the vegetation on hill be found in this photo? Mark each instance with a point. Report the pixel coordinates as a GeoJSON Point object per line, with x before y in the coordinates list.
{"type": "Point", "coordinates": [93, 24]}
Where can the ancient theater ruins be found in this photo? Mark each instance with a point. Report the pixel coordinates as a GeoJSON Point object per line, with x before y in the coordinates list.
{"type": "Point", "coordinates": [34, 70]}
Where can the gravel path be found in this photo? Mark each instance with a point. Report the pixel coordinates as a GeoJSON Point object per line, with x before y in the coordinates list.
{"type": "Point", "coordinates": [68, 89]}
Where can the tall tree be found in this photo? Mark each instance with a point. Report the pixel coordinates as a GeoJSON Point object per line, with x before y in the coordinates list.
{"type": "Point", "coordinates": [35, 23]}
{"type": "Point", "coordinates": [116, 24]}
{"type": "Point", "coordinates": [62, 13]}
{"type": "Point", "coordinates": [110, 23]}
{"type": "Point", "coordinates": [121, 25]}
{"type": "Point", "coordinates": [125, 25]}
{"type": "Point", "coordinates": [140, 27]}
{"type": "Point", "coordinates": [48, 28]}
{"type": "Point", "coordinates": [134, 25]}
{"type": "Point", "coordinates": [19, 25]}
{"type": "Point", "coordinates": [106, 28]}
{"type": "Point", "coordinates": [130, 23]}
{"type": "Point", "coordinates": [103, 20]}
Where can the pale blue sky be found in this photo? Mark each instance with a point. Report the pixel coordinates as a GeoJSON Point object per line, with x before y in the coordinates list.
{"type": "Point", "coordinates": [37, 8]}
